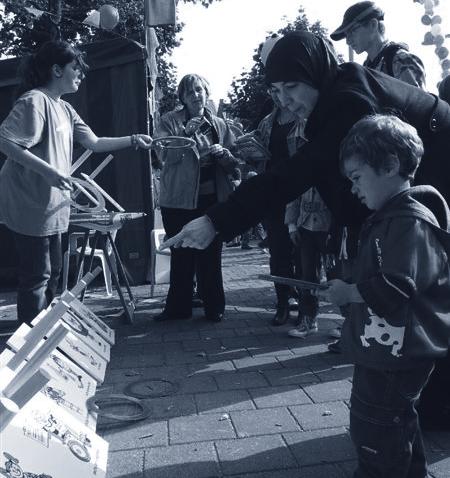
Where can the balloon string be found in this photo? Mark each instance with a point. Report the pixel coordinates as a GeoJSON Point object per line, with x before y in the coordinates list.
{"type": "Point", "coordinates": [90, 25]}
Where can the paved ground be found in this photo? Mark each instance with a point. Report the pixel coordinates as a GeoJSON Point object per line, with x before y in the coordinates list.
{"type": "Point", "coordinates": [234, 399]}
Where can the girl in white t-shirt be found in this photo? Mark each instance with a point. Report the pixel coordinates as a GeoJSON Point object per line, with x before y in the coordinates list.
{"type": "Point", "coordinates": [37, 137]}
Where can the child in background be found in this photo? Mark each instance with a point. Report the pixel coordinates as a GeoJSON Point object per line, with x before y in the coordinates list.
{"type": "Point", "coordinates": [399, 305]}
{"type": "Point", "coordinates": [308, 221]}
{"type": "Point", "coordinates": [37, 137]}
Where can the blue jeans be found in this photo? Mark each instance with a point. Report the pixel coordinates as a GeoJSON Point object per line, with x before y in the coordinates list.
{"type": "Point", "coordinates": [384, 424]}
{"type": "Point", "coordinates": [40, 262]}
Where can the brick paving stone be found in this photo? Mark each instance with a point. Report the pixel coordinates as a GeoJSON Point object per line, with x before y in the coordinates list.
{"type": "Point", "coordinates": [228, 354]}
{"type": "Point", "coordinates": [256, 363]}
{"type": "Point", "coordinates": [320, 446]}
{"type": "Point", "coordinates": [321, 415]}
{"type": "Point", "coordinates": [240, 380]}
{"type": "Point", "coordinates": [212, 368]}
{"type": "Point", "coordinates": [328, 391]}
{"type": "Point", "coordinates": [200, 428]}
{"type": "Point", "coordinates": [269, 351]}
{"type": "Point", "coordinates": [195, 460]}
{"type": "Point", "coordinates": [218, 333]}
{"type": "Point", "coordinates": [185, 358]}
{"type": "Point", "coordinates": [263, 422]}
{"type": "Point", "coordinates": [143, 434]}
{"type": "Point", "coordinates": [254, 454]}
{"type": "Point", "coordinates": [239, 342]}
{"type": "Point", "coordinates": [180, 336]}
{"type": "Point", "coordinates": [224, 401]}
{"type": "Point", "coordinates": [439, 464]}
{"type": "Point", "coordinates": [313, 362]}
{"type": "Point", "coordinates": [261, 330]}
{"type": "Point", "coordinates": [198, 383]}
{"type": "Point", "coordinates": [129, 464]}
{"type": "Point", "coordinates": [290, 377]}
{"type": "Point", "coordinates": [336, 372]}
{"type": "Point", "coordinates": [279, 396]}
{"type": "Point", "coordinates": [171, 406]}
{"type": "Point", "coordinates": [320, 471]}
{"type": "Point", "coordinates": [210, 345]}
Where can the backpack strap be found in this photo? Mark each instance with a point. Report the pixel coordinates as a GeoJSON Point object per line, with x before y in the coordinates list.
{"type": "Point", "coordinates": [388, 56]}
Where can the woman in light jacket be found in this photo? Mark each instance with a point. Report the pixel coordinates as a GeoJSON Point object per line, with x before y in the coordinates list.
{"type": "Point", "coordinates": [192, 180]}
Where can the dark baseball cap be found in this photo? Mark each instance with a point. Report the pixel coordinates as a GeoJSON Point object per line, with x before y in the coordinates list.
{"type": "Point", "coordinates": [357, 13]}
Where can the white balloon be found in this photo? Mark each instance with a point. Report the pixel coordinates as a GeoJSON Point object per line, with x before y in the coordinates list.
{"type": "Point", "coordinates": [436, 29]}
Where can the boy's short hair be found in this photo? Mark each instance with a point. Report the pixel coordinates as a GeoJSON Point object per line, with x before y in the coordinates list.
{"type": "Point", "coordinates": [378, 139]}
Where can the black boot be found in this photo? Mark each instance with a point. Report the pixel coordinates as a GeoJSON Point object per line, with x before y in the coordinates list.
{"type": "Point", "coordinates": [281, 316]}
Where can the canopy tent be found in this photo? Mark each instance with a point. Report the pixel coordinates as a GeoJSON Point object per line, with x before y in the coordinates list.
{"type": "Point", "coordinates": [113, 102]}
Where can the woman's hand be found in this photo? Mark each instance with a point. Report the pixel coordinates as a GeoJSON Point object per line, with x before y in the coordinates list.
{"type": "Point", "coordinates": [198, 234]}
{"type": "Point", "coordinates": [192, 125]}
{"type": "Point", "coordinates": [340, 293]}
{"type": "Point", "coordinates": [251, 148]}
{"type": "Point", "coordinates": [295, 238]}
{"type": "Point", "coordinates": [58, 180]}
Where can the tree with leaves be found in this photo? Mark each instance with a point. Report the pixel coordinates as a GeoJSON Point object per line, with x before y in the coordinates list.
{"type": "Point", "coordinates": [249, 100]}
{"type": "Point", "coordinates": [21, 32]}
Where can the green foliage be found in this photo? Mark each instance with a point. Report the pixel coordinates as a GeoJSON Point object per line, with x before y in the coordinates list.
{"type": "Point", "coordinates": [249, 100]}
{"type": "Point", "coordinates": [21, 32]}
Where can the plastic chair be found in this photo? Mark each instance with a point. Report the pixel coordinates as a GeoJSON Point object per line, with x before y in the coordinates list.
{"type": "Point", "coordinates": [160, 261]}
{"type": "Point", "coordinates": [73, 249]}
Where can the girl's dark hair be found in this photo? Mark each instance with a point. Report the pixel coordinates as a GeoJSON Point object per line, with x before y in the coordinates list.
{"type": "Point", "coordinates": [35, 69]}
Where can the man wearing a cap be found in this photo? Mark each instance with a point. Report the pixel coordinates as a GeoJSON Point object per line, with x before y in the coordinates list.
{"type": "Point", "coordinates": [364, 30]}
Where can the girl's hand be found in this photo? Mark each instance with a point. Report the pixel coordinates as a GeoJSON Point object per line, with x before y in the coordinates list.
{"type": "Point", "coordinates": [58, 180]}
{"type": "Point", "coordinates": [144, 141]}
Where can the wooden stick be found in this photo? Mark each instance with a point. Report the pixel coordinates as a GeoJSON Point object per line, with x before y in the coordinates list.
{"type": "Point", "coordinates": [8, 410]}
{"type": "Point", "coordinates": [299, 284]}
{"type": "Point", "coordinates": [104, 193]}
{"type": "Point", "coordinates": [35, 362]}
{"type": "Point", "coordinates": [80, 161]}
{"type": "Point", "coordinates": [30, 388]}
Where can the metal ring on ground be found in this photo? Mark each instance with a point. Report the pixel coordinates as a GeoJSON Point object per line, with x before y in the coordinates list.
{"type": "Point", "coordinates": [173, 142]}
{"type": "Point", "coordinates": [92, 190]}
{"type": "Point", "coordinates": [146, 388]}
{"type": "Point", "coordinates": [92, 405]}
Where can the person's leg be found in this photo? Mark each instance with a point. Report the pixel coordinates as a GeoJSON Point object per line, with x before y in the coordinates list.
{"type": "Point", "coordinates": [56, 266]}
{"type": "Point", "coordinates": [182, 267]}
{"type": "Point", "coordinates": [311, 245]}
{"type": "Point", "coordinates": [34, 271]}
{"type": "Point", "coordinates": [281, 264]}
{"type": "Point", "coordinates": [209, 268]}
{"type": "Point", "coordinates": [209, 276]}
{"type": "Point", "coordinates": [383, 422]}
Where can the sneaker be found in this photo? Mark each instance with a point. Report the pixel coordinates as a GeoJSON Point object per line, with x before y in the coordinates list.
{"type": "Point", "coordinates": [308, 326]}
{"type": "Point", "coordinates": [335, 347]}
{"type": "Point", "coordinates": [335, 333]}
{"type": "Point", "coordinates": [293, 303]}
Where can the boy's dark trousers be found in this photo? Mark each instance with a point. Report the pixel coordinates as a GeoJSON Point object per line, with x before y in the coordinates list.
{"type": "Point", "coordinates": [384, 424]}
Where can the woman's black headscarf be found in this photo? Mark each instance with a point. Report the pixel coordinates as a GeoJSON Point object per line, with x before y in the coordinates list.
{"type": "Point", "coordinates": [302, 56]}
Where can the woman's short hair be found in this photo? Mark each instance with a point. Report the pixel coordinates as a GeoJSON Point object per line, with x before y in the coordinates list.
{"type": "Point", "coordinates": [378, 140]}
{"type": "Point", "coordinates": [187, 82]}
{"type": "Point", "coordinates": [36, 69]}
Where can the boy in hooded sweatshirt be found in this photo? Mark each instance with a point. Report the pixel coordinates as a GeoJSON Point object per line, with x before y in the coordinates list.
{"type": "Point", "coordinates": [399, 305]}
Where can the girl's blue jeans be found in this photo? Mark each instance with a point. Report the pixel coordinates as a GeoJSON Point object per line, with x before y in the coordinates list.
{"type": "Point", "coordinates": [40, 262]}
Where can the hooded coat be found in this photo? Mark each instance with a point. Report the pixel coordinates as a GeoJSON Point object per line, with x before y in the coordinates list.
{"type": "Point", "coordinates": [403, 274]}
{"type": "Point", "coordinates": [347, 93]}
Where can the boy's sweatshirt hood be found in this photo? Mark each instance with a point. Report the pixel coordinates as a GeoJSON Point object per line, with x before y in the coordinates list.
{"type": "Point", "coordinates": [425, 202]}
